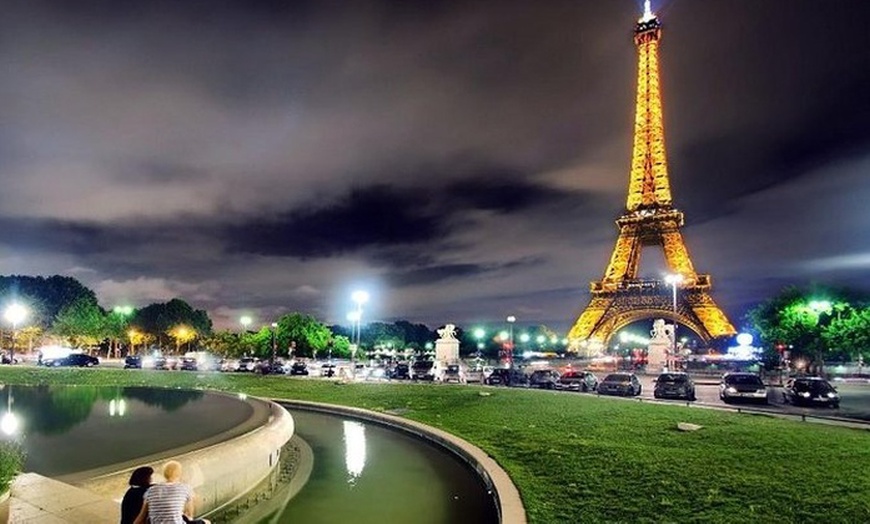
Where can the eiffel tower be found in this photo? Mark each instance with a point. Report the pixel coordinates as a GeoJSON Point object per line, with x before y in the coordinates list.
{"type": "Point", "coordinates": [650, 219]}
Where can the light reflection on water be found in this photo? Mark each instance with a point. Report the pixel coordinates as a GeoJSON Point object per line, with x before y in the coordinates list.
{"type": "Point", "coordinates": [354, 450]}
{"type": "Point", "coordinates": [368, 474]}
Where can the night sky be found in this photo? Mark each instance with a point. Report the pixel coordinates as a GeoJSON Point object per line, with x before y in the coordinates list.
{"type": "Point", "coordinates": [461, 160]}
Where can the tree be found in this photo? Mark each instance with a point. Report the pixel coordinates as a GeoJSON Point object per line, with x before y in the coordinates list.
{"type": "Point", "coordinates": [226, 343]}
{"type": "Point", "coordinates": [303, 335]}
{"type": "Point", "coordinates": [182, 334]}
{"type": "Point", "coordinates": [815, 324]}
{"type": "Point", "coordinates": [82, 323]}
{"type": "Point", "coordinates": [159, 319]}
{"type": "Point", "coordinates": [45, 297]}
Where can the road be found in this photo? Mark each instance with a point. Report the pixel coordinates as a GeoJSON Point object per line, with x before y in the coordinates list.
{"type": "Point", "coordinates": [854, 399]}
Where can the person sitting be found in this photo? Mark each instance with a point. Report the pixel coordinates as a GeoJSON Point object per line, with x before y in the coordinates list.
{"type": "Point", "coordinates": [169, 503]}
{"type": "Point", "coordinates": [131, 505]}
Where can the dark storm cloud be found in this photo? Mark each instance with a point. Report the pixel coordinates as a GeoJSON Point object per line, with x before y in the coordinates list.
{"type": "Point", "coordinates": [383, 218]}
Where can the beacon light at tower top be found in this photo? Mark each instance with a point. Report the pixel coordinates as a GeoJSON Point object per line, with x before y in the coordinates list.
{"type": "Point", "coordinates": [647, 12]}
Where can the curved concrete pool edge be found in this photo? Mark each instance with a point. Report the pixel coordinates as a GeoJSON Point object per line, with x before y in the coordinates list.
{"type": "Point", "coordinates": [221, 472]}
{"type": "Point", "coordinates": [507, 496]}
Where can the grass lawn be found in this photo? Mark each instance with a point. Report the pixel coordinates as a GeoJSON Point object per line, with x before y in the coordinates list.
{"type": "Point", "coordinates": [578, 458]}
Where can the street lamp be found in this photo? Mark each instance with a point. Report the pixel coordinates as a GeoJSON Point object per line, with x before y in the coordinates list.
{"type": "Point", "coordinates": [479, 333]}
{"type": "Point", "coordinates": [674, 280]}
{"type": "Point", "coordinates": [246, 321]}
{"type": "Point", "coordinates": [510, 320]}
{"type": "Point", "coordinates": [274, 343]}
{"type": "Point", "coordinates": [14, 314]}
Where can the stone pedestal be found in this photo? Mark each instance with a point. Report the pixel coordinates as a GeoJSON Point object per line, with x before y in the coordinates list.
{"type": "Point", "coordinates": [657, 355]}
{"type": "Point", "coordinates": [447, 350]}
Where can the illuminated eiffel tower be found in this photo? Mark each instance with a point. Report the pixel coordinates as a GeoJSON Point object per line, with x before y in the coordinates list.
{"type": "Point", "coordinates": [650, 219]}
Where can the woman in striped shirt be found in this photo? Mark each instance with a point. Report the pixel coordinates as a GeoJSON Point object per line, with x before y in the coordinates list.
{"type": "Point", "coordinates": [169, 503]}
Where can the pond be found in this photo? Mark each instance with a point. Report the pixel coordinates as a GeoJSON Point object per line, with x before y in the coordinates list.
{"type": "Point", "coordinates": [70, 429]}
{"type": "Point", "coordinates": [368, 473]}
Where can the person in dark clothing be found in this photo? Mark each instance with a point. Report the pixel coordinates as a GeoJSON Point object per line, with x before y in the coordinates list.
{"type": "Point", "coordinates": [131, 505]}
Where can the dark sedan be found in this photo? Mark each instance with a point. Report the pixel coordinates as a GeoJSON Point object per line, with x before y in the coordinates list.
{"type": "Point", "coordinates": [507, 377]}
{"type": "Point", "coordinates": [543, 378]}
{"type": "Point", "coordinates": [624, 384]}
{"type": "Point", "coordinates": [810, 391]}
{"type": "Point", "coordinates": [674, 385]}
{"type": "Point", "coordinates": [74, 359]}
{"type": "Point", "coordinates": [133, 362]}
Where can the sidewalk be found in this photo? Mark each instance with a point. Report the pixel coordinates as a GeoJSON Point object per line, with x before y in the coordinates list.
{"type": "Point", "coordinates": [40, 500]}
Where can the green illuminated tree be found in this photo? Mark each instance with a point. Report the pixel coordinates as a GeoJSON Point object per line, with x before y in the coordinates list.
{"type": "Point", "coordinates": [82, 323]}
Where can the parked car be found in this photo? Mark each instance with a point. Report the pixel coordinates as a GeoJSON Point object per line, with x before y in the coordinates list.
{"type": "Point", "coordinates": [299, 367]}
{"type": "Point", "coordinates": [477, 373]}
{"type": "Point", "coordinates": [625, 384]}
{"type": "Point", "coordinates": [73, 359]}
{"type": "Point", "coordinates": [228, 364]}
{"type": "Point", "coordinates": [544, 379]}
{"type": "Point", "coordinates": [247, 364]}
{"type": "Point", "coordinates": [273, 367]}
{"type": "Point", "coordinates": [454, 373]}
{"type": "Point", "coordinates": [327, 370]}
{"type": "Point", "coordinates": [427, 370]}
{"type": "Point", "coordinates": [582, 381]}
{"type": "Point", "coordinates": [674, 385]}
{"type": "Point", "coordinates": [189, 364]}
{"type": "Point", "coordinates": [810, 391]}
{"type": "Point", "coordinates": [742, 386]}
{"type": "Point", "coordinates": [401, 371]}
{"type": "Point", "coordinates": [510, 377]}
{"type": "Point", "coordinates": [133, 362]}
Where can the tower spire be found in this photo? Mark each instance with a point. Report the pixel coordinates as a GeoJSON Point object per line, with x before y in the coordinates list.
{"type": "Point", "coordinates": [648, 185]}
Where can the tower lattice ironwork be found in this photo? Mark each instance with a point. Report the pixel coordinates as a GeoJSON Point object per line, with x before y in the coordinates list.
{"type": "Point", "coordinates": [650, 219]}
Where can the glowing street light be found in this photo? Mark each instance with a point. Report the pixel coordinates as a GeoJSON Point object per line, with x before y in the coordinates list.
{"type": "Point", "coordinates": [274, 343]}
{"type": "Point", "coordinates": [510, 320]}
{"type": "Point", "coordinates": [245, 321]}
{"type": "Point", "coordinates": [479, 333]}
{"type": "Point", "coordinates": [15, 313]}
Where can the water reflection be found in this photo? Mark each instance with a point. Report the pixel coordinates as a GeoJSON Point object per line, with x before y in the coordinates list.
{"type": "Point", "coordinates": [67, 429]}
{"type": "Point", "coordinates": [9, 423]}
{"type": "Point", "coordinates": [354, 450]}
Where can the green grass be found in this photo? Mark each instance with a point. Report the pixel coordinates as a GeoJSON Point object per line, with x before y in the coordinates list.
{"type": "Point", "coordinates": [578, 458]}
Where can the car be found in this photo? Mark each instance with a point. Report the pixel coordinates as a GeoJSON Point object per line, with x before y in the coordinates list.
{"type": "Point", "coordinates": [544, 379]}
{"type": "Point", "coordinates": [624, 384]}
{"type": "Point", "coordinates": [674, 385]}
{"type": "Point", "coordinates": [401, 371]}
{"type": "Point", "coordinates": [477, 373]}
{"type": "Point", "coordinates": [189, 364]}
{"type": "Point", "coordinates": [327, 370]}
{"type": "Point", "coordinates": [426, 370]}
{"type": "Point", "coordinates": [810, 391]}
{"type": "Point", "coordinates": [299, 367]}
{"type": "Point", "coordinates": [581, 381]}
{"type": "Point", "coordinates": [273, 367]}
{"type": "Point", "coordinates": [133, 362]}
{"type": "Point", "coordinates": [73, 359]}
{"type": "Point", "coordinates": [510, 377]}
{"type": "Point", "coordinates": [742, 387]}
{"type": "Point", "coordinates": [454, 373]}
{"type": "Point", "coordinates": [247, 364]}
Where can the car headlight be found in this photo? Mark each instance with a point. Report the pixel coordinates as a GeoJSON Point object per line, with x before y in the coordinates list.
{"type": "Point", "coordinates": [731, 389]}
{"type": "Point", "coordinates": [805, 394]}
{"type": "Point", "coordinates": [831, 394]}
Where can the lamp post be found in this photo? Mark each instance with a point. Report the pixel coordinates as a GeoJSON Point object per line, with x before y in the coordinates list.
{"type": "Point", "coordinates": [674, 280]}
{"type": "Point", "coordinates": [359, 298]}
{"type": "Point", "coordinates": [14, 314]}
{"type": "Point", "coordinates": [245, 321]}
{"type": "Point", "coordinates": [274, 343]}
{"type": "Point", "coordinates": [510, 320]}
{"type": "Point", "coordinates": [479, 333]}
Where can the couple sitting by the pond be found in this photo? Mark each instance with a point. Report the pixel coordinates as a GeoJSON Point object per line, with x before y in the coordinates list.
{"type": "Point", "coordinates": [167, 503]}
